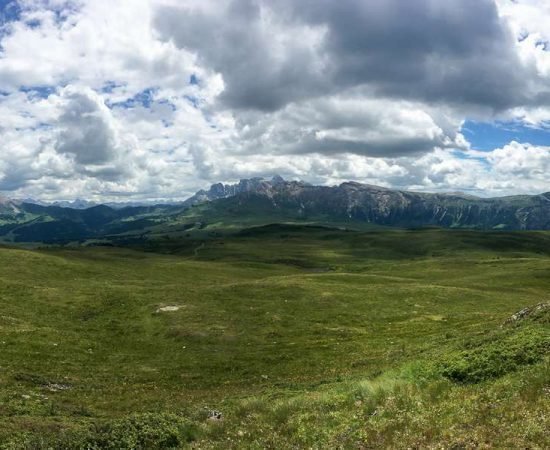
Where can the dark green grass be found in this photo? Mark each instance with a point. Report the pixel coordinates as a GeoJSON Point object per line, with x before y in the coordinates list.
{"type": "Point", "coordinates": [283, 329]}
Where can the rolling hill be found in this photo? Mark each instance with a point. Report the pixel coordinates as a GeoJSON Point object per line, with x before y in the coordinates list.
{"type": "Point", "coordinates": [280, 336]}
{"type": "Point", "coordinates": [258, 201]}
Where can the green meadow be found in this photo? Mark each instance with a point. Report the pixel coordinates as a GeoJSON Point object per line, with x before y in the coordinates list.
{"type": "Point", "coordinates": [279, 337]}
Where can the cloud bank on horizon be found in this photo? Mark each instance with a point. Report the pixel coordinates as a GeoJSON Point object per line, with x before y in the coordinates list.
{"type": "Point", "coordinates": [154, 99]}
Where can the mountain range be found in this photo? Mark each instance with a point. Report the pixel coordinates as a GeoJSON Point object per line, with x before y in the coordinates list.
{"type": "Point", "coordinates": [259, 201]}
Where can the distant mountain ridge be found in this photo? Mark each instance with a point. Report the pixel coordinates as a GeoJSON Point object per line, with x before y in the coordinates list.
{"type": "Point", "coordinates": [219, 190]}
{"type": "Point", "coordinates": [85, 204]}
{"type": "Point", "coordinates": [259, 200]}
{"type": "Point", "coordinates": [383, 206]}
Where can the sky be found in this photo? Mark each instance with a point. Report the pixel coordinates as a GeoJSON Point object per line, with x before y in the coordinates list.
{"type": "Point", "coordinates": [155, 99]}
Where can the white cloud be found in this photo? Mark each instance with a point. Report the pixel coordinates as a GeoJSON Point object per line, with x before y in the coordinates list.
{"type": "Point", "coordinates": [524, 161]}
{"type": "Point", "coordinates": [87, 129]}
{"type": "Point", "coordinates": [106, 100]}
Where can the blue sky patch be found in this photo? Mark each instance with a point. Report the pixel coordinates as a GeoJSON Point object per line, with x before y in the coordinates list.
{"type": "Point", "coordinates": [167, 102]}
{"type": "Point", "coordinates": [110, 86]}
{"type": "Point", "coordinates": [34, 92]}
{"type": "Point", "coordinates": [9, 11]}
{"type": "Point", "coordinates": [488, 136]}
{"type": "Point", "coordinates": [34, 23]}
{"type": "Point", "coordinates": [193, 100]}
{"type": "Point", "coordinates": [144, 98]}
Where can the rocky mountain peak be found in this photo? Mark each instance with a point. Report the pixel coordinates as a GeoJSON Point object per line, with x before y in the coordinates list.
{"type": "Point", "coordinates": [221, 190]}
{"type": "Point", "coordinates": [277, 180]}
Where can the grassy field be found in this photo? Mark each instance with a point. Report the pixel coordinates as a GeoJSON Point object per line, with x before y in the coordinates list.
{"type": "Point", "coordinates": [301, 337]}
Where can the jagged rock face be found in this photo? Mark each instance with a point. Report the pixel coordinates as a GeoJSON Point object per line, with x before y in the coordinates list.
{"type": "Point", "coordinates": [287, 200]}
{"type": "Point", "coordinates": [373, 204]}
{"type": "Point", "coordinates": [220, 190]}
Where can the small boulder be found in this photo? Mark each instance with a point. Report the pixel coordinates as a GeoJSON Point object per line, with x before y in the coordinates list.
{"type": "Point", "coordinates": [536, 313]}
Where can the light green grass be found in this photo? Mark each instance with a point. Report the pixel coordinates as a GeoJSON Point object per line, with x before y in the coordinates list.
{"type": "Point", "coordinates": [302, 337]}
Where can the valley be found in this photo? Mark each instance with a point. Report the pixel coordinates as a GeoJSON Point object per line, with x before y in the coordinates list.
{"type": "Point", "coordinates": [299, 336]}
{"type": "Point", "coordinates": [274, 225]}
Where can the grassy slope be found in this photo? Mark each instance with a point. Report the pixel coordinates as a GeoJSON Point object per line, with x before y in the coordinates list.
{"type": "Point", "coordinates": [300, 336]}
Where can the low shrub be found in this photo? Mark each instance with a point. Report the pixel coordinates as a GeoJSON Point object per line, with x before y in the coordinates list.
{"type": "Point", "coordinates": [497, 357]}
{"type": "Point", "coordinates": [136, 432]}
{"type": "Point", "coordinates": [144, 431]}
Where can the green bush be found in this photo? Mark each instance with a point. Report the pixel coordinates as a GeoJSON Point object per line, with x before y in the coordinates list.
{"type": "Point", "coordinates": [143, 431]}
{"type": "Point", "coordinates": [497, 357]}
{"type": "Point", "coordinates": [138, 431]}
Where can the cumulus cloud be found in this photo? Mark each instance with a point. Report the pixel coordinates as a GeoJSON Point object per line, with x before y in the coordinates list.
{"type": "Point", "coordinates": [521, 160]}
{"type": "Point", "coordinates": [87, 130]}
{"type": "Point", "coordinates": [266, 58]}
{"type": "Point", "coordinates": [350, 124]}
{"type": "Point", "coordinates": [104, 100]}
{"type": "Point", "coordinates": [274, 53]}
